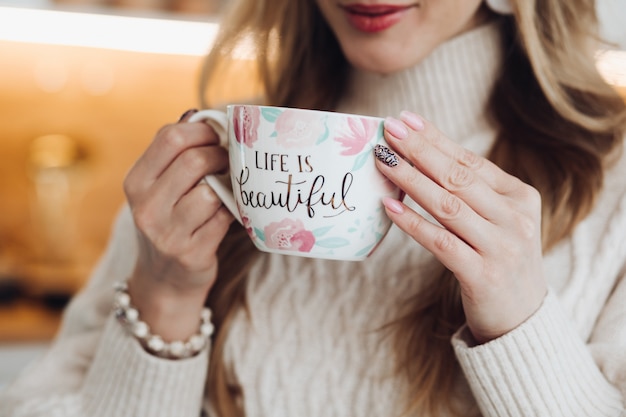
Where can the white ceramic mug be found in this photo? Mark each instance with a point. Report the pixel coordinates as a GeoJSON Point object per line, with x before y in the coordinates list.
{"type": "Point", "coordinates": [304, 182]}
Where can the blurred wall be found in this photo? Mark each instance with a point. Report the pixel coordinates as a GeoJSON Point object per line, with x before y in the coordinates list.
{"type": "Point", "coordinates": [612, 16]}
{"type": "Point", "coordinates": [54, 223]}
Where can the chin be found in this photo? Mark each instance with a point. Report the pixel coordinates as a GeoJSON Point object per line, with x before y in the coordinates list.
{"type": "Point", "coordinates": [383, 65]}
{"type": "Point", "coordinates": [384, 56]}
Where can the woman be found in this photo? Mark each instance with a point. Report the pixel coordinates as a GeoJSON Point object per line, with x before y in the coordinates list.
{"type": "Point", "coordinates": [499, 293]}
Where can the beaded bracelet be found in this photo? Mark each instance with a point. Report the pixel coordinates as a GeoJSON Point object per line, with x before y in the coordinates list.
{"type": "Point", "coordinates": [128, 316]}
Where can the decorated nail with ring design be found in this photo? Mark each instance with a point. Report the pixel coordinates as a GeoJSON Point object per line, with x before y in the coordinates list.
{"type": "Point", "coordinates": [386, 155]}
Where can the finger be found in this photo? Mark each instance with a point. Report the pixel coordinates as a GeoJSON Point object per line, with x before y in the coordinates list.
{"type": "Point", "coordinates": [195, 208]}
{"type": "Point", "coordinates": [172, 141]}
{"type": "Point", "coordinates": [448, 209]}
{"type": "Point", "coordinates": [446, 171]}
{"type": "Point", "coordinates": [489, 172]}
{"type": "Point", "coordinates": [168, 144]}
{"type": "Point", "coordinates": [208, 236]}
{"type": "Point", "coordinates": [198, 251]}
{"type": "Point", "coordinates": [186, 171]}
{"type": "Point", "coordinates": [451, 251]}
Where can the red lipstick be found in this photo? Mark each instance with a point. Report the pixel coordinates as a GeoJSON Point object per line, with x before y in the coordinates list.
{"type": "Point", "coordinates": [372, 18]}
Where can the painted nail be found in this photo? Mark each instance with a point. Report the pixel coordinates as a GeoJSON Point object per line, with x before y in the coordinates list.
{"type": "Point", "coordinates": [187, 114]}
{"type": "Point", "coordinates": [393, 205]}
{"type": "Point", "coordinates": [413, 120]}
{"type": "Point", "coordinates": [386, 156]}
{"type": "Point", "coordinates": [396, 128]}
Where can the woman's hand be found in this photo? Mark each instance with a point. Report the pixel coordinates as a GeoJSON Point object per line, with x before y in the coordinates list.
{"type": "Point", "coordinates": [180, 223]}
{"type": "Point", "coordinates": [490, 223]}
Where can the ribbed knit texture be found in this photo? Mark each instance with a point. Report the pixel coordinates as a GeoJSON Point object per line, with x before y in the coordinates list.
{"type": "Point", "coordinates": [312, 344]}
{"type": "Point", "coordinates": [543, 368]}
{"type": "Point", "coordinates": [177, 384]}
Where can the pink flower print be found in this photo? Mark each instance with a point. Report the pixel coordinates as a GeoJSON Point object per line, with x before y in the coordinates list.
{"type": "Point", "coordinates": [248, 226]}
{"type": "Point", "coordinates": [289, 235]}
{"type": "Point", "coordinates": [298, 130]}
{"type": "Point", "coordinates": [246, 122]}
{"type": "Point", "coordinates": [361, 131]}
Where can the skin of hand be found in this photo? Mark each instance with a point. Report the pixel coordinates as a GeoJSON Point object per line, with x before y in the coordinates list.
{"type": "Point", "coordinates": [489, 234]}
{"type": "Point", "coordinates": [180, 223]}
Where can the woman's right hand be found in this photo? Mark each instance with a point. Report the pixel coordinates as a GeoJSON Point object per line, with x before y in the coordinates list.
{"type": "Point", "coordinates": [180, 223]}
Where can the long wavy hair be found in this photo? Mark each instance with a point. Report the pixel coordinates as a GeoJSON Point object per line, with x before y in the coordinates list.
{"type": "Point", "coordinates": [558, 124]}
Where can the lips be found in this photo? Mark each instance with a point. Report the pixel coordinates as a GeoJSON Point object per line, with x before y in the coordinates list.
{"type": "Point", "coordinates": [372, 18]}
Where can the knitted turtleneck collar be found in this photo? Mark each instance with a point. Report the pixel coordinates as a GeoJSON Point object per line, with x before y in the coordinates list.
{"type": "Point", "coordinates": [450, 87]}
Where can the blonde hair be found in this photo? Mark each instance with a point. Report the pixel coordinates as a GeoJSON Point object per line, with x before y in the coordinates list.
{"type": "Point", "coordinates": [558, 123]}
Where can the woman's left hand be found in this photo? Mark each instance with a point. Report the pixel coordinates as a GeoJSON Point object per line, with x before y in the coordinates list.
{"type": "Point", "coordinates": [489, 231]}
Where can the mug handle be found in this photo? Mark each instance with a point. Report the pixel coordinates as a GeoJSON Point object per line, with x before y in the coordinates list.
{"type": "Point", "coordinates": [218, 120]}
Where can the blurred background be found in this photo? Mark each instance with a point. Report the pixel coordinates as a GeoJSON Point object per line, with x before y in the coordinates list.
{"type": "Point", "coordinates": [84, 86]}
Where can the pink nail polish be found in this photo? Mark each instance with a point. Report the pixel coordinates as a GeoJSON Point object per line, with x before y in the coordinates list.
{"type": "Point", "coordinates": [393, 205]}
{"type": "Point", "coordinates": [396, 128]}
{"type": "Point", "coordinates": [413, 120]}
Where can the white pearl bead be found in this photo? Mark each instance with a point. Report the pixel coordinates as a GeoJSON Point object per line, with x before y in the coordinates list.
{"type": "Point", "coordinates": [141, 329]}
{"type": "Point", "coordinates": [196, 342]}
{"type": "Point", "coordinates": [206, 329]}
{"type": "Point", "coordinates": [156, 344]}
{"type": "Point", "coordinates": [205, 315]}
{"type": "Point", "coordinates": [132, 315]}
{"type": "Point", "coordinates": [122, 299]}
{"type": "Point", "coordinates": [177, 348]}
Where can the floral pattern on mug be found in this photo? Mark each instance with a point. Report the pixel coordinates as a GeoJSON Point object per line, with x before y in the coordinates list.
{"type": "Point", "coordinates": [245, 221]}
{"type": "Point", "coordinates": [289, 235]}
{"type": "Point", "coordinates": [298, 130]}
{"type": "Point", "coordinates": [361, 132]}
{"type": "Point", "coordinates": [246, 122]}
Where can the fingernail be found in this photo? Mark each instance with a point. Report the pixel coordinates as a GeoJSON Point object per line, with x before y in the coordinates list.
{"type": "Point", "coordinates": [393, 205]}
{"type": "Point", "coordinates": [386, 156]}
{"type": "Point", "coordinates": [187, 114]}
{"type": "Point", "coordinates": [396, 128]}
{"type": "Point", "coordinates": [413, 120]}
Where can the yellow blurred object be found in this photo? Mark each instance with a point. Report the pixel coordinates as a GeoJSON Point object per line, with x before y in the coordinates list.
{"type": "Point", "coordinates": [53, 151]}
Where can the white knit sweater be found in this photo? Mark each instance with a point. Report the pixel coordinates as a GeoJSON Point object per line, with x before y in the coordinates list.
{"type": "Point", "coordinates": [310, 346]}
